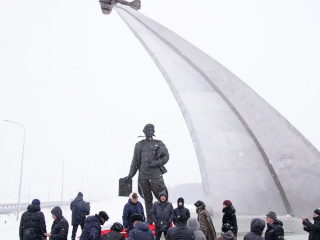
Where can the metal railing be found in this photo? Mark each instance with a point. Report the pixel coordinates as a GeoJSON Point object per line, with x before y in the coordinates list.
{"type": "Point", "coordinates": [6, 208]}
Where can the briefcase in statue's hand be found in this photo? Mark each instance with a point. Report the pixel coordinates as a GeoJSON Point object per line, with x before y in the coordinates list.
{"type": "Point", "coordinates": [125, 187]}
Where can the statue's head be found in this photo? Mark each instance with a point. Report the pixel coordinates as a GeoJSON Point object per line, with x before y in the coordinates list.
{"type": "Point", "coordinates": [148, 130]}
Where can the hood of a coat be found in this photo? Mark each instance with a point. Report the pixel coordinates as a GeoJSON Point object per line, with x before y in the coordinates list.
{"type": "Point", "coordinates": [257, 225]}
{"type": "Point", "coordinates": [180, 199]}
{"type": "Point", "coordinates": [229, 209]}
{"type": "Point", "coordinates": [228, 235]}
{"type": "Point", "coordinates": [129, 201]}
{"type": "Point", "coordinates": [78, 198]}
{"type": "Point", "coordinates": [33, 208]}
{"type": "Point", "coordinates": [57, 212]}
{"type": "Point", "coordinates": [316, 219]}
{"type": "Point", "coordinates": [277, 222]}
{"type": "Point", "coordinates": [165, 194]}
{"type": "Point", "coordinates": [94, 218]}
{"type": "Point", "coordinates": [193, 224]}
{"type": "Point", "coordinates": [142, 226]}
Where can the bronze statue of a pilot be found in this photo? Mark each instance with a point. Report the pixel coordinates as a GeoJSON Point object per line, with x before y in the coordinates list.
{"type": "Point", "coordinates": [150, 156]}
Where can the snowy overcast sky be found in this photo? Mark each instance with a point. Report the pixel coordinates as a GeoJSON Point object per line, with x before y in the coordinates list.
{"type": "Point", "coordinates": [84, 87]}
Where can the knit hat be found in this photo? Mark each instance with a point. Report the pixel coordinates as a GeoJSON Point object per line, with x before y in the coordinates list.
{"type": "Point", "coordinates": [198, 203]}
{"type": "Point", "coordinates": [317, 211]}
{"type": "Point", "coordinates": [133, 196]}
{"type": "Point", "coordinates": [36, 202]}
{"type": "Point", "coordinates": [272, 215]}
{"type": "Point", "coordinates": [104, 215]}
{"type": "Point", "coordinates": [226, 227]}
{"type": "Point", "coordinates": [80, 194]}
{"type": "Point", "coordinates": [117, 227]}
{"type": "Point", "coordinates": [227, 203]}
{"type": "Point", "coordinates": [137, 217]}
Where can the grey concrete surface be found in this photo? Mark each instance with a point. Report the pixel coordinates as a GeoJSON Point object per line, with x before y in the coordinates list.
{"type": "Point", "coordinates": [247, 151]}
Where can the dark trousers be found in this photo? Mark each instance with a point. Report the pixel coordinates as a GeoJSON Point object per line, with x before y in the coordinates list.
{"type": "Point", "coordinates": [158, 234]}
{"type": "Point", "coordinates": [148, 186]}
{"type": "Point", "coordinates": [74, 230]}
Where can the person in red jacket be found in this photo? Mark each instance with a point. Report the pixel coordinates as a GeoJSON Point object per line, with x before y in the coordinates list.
{"type": "Point", "coordinates": [107, 5]}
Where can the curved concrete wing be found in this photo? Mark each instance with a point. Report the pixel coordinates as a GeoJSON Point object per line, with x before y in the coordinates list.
{"type": "Point", "coordinates": [247, 152]}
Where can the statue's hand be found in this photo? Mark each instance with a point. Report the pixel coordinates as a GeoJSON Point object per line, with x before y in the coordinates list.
{"type": "Point", "coordinates": [127, 178]}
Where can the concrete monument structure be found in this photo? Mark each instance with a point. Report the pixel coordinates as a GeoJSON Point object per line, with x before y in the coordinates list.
{"type": "Point", "coordinates": [247, 151]}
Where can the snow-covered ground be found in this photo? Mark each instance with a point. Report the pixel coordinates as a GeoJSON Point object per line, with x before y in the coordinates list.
{"type": "Point", "coordinates": [9, 227]}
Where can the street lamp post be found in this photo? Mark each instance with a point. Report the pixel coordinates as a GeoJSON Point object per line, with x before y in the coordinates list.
{"type": "Point", "coordinates": [62, 174]}
{"type": "Point", "coordinates": [90, 186]}
{"type": "Point", "coordinates": [24, 134]}
{"type": "Point", "coordinates": [82, 177]}
{"type": "Point", "coordinates": [30, 185]}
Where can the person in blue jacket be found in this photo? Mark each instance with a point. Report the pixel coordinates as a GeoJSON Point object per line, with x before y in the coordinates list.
{"type": "Point", "coordinates": [140, 229]}
{"type": "Point", "coordinates": [132, 207]}
{"type": "Point", "coordinates": [92, 226]}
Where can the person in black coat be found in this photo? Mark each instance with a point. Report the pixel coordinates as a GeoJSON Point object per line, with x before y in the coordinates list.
{"type": "Point", "coordinates": [32, 223]}
{"type": "Point", "coordinates": [79, 210]}
{"type": "Point", "coordinates": [180, 211]}
{"type": "Point", "coordinates": [312, 229]}
{"type": "Point", "coordinates": [257, 227]}
{"type": "Point", "coordinates": [274, 227]}
{"type": "Point", "coordinates": [132, 207]}
{"type": "Point", "coordinates": [115, 233]}
{"type": "Point", "coordinates": [140, 229]}
{"type": "Point", "coordinates": [162, 215]}
{"type": "Point", "coordinates": [60, 226]}
{"type": "Point", "coordinates": [180, 231]}
{"type": "Point", "coordinates": [229, 216]}
{"type": "Point", "coordinates": [92, 226]}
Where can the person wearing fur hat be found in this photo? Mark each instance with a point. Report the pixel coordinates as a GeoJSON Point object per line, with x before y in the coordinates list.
{"type": "Point", "coordinates": [60, 226]}
{"type": "Point", "coordinates": [274, 227]}
{"type": "Point", "coordinates": [257, 227]}
{"type": "Point", "coordinates": [115, 233]}
{"type": "Point", "coordinates": [150, 156]}
{"type": "Point", "coordinates": [162, 215]}
{"type": "Point", "coordinates": [79, 210]}
{"type": "Point", "coordinates": [204, 218]}
{"type": "Point", "coordinates": [180, 211]}
{"type": "Point", "coordinates": [140, 229]}
{"type": "Point", "coordinates": [133, 206]}
{"type": "Point", "coordinates": [32, 223]}
{"type": "Point", "coordinates": [92, 226]}
{"type": "Point", "coordinates": [229, 216]}
{"type": "Point", "coordinates": [312, 229]}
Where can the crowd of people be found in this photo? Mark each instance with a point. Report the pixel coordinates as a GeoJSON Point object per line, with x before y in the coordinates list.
{"type": "Point", "coordinates": [163, 215]}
